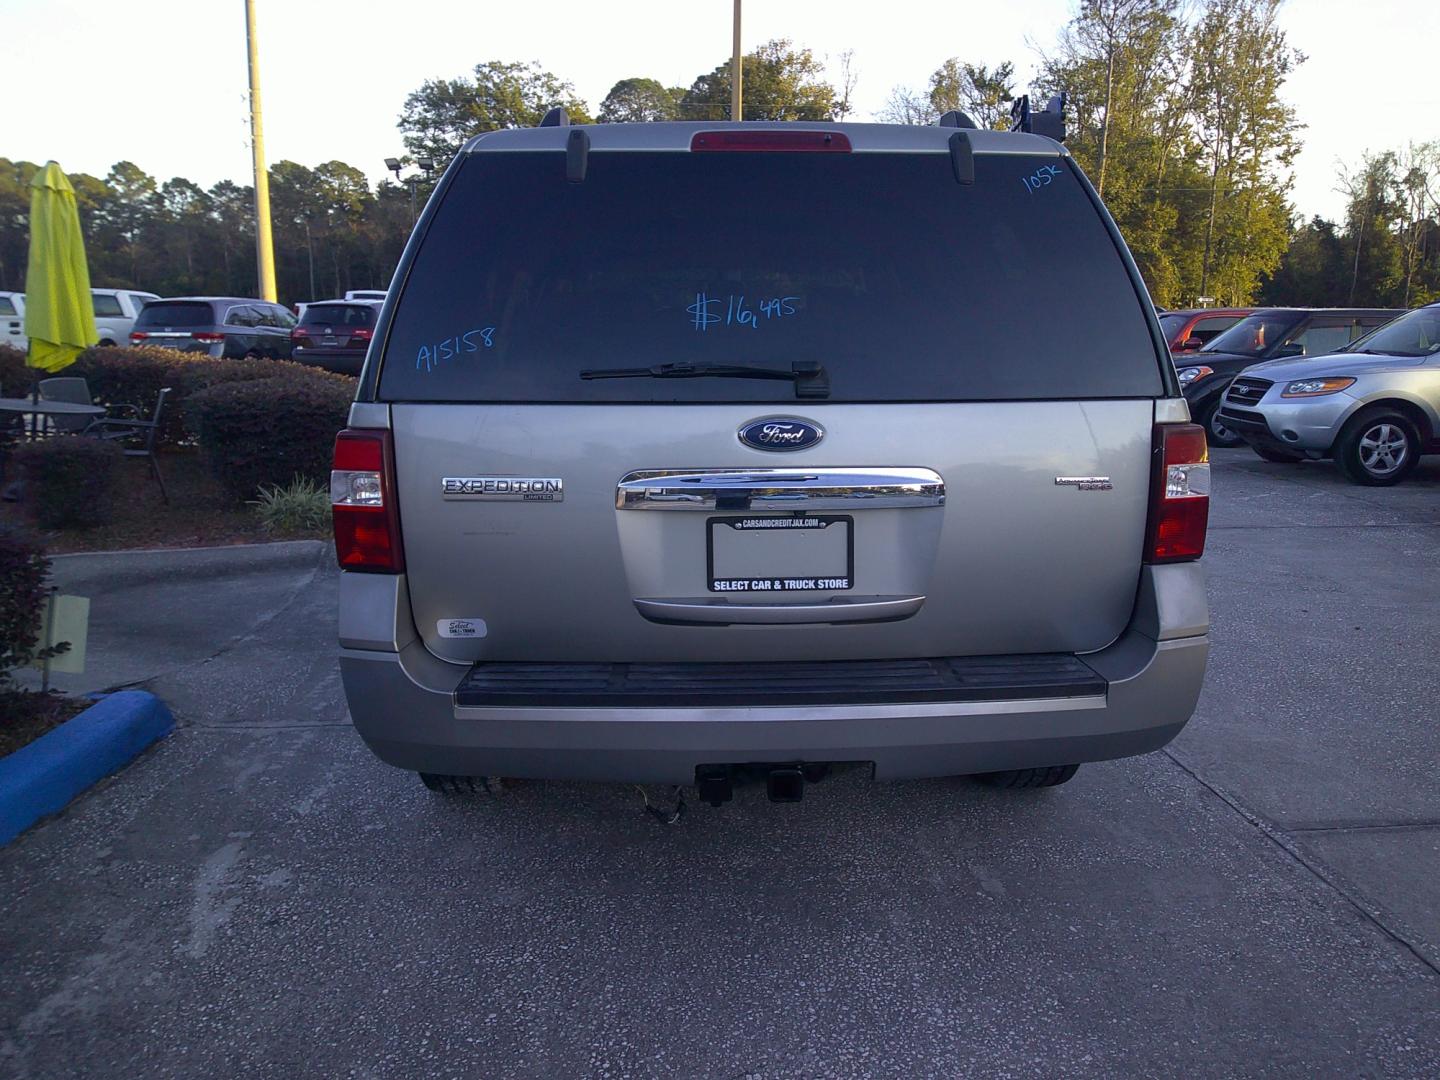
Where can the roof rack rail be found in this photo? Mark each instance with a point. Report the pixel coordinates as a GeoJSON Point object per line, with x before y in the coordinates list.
{"type": "Point", "coordinates": [956, 119]}
{"type": "Point", "coordinates": [1050, 122]}
{"type": "Point", "coordinates": [556, 117]}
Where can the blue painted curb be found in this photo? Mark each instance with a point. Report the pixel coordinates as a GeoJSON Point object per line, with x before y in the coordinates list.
{"type": "Point", "coordinates": [44, 776]}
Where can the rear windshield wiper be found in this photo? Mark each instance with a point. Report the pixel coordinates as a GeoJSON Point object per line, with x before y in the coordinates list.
{"type": "Point", "coordinates": [809, 376]}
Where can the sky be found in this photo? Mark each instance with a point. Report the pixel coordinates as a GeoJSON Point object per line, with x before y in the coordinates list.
{"type": "Point", "coordinates": [162, 83]}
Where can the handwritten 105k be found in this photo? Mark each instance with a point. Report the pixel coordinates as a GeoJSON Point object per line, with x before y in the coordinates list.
{"type": "Point", "coordinates": [708, 311]}
{"type": "Point", "coordinates": [430, 356]}
{"type": "Point", "coordinates": [1046, 174]}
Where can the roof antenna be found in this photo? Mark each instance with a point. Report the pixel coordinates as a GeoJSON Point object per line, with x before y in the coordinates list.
{"type": "Point", "coordinates": [577, 155]}
{"type": "Point", "coordinates": [556, 117]}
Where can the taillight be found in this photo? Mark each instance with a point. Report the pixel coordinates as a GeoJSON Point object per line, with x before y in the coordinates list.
{"type": "Point", "coordinates": [207, 336]}
{"type": "Point", "coordinates": [772, 139]}
{"type": "Point", "coordinates": [137, 336]}
{"type": "Point", "coordinates": [361, 334]}
{"type": "Point", "coordinates": [299, 334]}
{"type": "Point", "coordinates": [362, 501]}
{"type": "Point", "coordinates": [1180, 497]}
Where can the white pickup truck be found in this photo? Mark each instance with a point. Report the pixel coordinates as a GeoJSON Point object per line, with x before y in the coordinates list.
{"type": "Point", "coordinates": [12, 320]}
{"type": "Point", "coordinates": [115, 311]}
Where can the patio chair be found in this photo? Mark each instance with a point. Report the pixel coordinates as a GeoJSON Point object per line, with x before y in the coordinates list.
{"type": "Point", "coordinates": [115, 428]}
{"type": "Point", "coordinates": [72, 389]}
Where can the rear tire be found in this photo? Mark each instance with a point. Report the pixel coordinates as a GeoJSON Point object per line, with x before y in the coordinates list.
{"type": "Point", "coordinates": [1216, 433]}
{"type": "Point", "coordinates": [1049, 776]}
{"type": "Point", "coordinates": [1280, 457]}
{"type": "Point", "coordinates": [453, 785]}
{"type": "Point", "coordinates": [1378, 448]}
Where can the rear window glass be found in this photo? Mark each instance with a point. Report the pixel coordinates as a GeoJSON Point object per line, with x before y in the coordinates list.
{"type": "Point", "coordinates": [1170, 325]}
{"type": "Point", "coordinates": [904, 284]}
{"type": "Point", "coordinates": [107, 305]}
{"type": "Point", "coordinates": [166, 313]}
{"type": "Point", "coordinates": [339, 315]}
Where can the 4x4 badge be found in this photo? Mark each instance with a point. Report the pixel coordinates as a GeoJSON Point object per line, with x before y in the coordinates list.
{"type": "Point", "coordinates": [1085, 483]}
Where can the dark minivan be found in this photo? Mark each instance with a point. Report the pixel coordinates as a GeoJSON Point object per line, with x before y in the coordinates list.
{"type": "Point", "coordinates": [1269, 334]}
{"type": "Point", "coordinates": [334, 334]}
{"type": "Point", "coordinates": [220, 326]}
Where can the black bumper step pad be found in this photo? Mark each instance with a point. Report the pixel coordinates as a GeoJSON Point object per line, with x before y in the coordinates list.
{"type": "Point", "coordinates": [785, 683]}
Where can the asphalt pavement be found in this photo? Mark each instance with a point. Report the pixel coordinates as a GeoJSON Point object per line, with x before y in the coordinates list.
{"type": "Point", "coordinates": [258, 896]}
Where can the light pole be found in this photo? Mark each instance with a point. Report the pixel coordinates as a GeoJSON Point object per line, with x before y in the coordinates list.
{"type": "Point", "coordinates": [736, 113]}
{"type": "Point", "coordinates": [264, 248]}
{"type": "Point", "coordinates": [426, 164]}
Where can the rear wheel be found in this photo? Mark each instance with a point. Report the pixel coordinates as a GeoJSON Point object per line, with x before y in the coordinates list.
{"type": "Point", "coordinates": [1279, 456]}
{"type": "Point", "coordinates": [1378, 448]}
{"type": "Point", "coordinates": [1215, 430]}
{"type": "Point", "coordinates": [452, 785]}
{"type": "Point", "coordinates": [1050, 776]}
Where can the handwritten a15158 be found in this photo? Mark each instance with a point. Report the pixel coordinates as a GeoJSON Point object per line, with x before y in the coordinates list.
{"type": "Point", "coordinates": [431, 356]}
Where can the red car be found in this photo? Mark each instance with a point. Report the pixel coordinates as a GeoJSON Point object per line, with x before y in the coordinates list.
{"type": "Point", "coordinates": [1186, 331]}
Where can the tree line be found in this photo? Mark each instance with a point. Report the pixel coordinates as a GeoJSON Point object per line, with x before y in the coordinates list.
{"type": "Point", "coordinates": [1174, 110]}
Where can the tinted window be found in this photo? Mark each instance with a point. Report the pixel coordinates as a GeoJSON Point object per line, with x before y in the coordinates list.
{"type": "Point", "coordinates": [1255, 335]}
{"type": "Point", "coordinates": [106, 305]}
{"type": "Point", "coordinates": [1170, 325]}
{"type": "Point", "coordinates": [175, 313]}
{"type": "Point", "coordinates": [903, 283]}
{"type": "Point", "coordinates": [6, 307]}
{"type": "Point", "coordinates": [1414, 334]}
{"type": "Point", "coordinates": [284, 318]}
{"type": "Point", "coordinates": [339, 315]}
{"type": "Point", "coordinates": [1321, 338]}
{"type": "Point", "coordinates": [242, 315]}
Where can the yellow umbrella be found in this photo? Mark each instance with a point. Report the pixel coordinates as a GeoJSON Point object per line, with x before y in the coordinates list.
{"type": "Point", "coordinates": [59, 314]}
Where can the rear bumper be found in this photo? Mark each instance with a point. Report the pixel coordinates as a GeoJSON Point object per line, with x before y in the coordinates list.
{"type": "Point", "coordinates": [340, 361]}
{"type": "Point", "coordinates": [403, 705]}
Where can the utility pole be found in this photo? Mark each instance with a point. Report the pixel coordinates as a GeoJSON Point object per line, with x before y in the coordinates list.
{"type": "Point", "coordinates": [736, 113]}
{"type": "Point", "coordinates": [264, 249]}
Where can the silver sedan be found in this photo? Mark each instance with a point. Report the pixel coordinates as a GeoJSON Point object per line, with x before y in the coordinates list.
{"type": "Point", "coordinates": [1373, 407]}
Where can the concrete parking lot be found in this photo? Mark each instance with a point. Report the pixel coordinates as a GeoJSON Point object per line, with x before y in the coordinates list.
{"type": "Point", "coordinates": [258, 896]}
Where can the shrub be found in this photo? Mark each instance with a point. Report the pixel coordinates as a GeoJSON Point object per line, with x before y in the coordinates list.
{"type": "Point", "coordinates": [135, 376]}
{"type": "Point", "coordinates": [16, 378]}
{"type": "Point", "coordinates": [302, 506]}
{"type": "Point", "coordinates": [265, 432]}
{"type": "Point", "coordinates": [23, 570]}
{"type": "Point", "coordinates": [70, 481]}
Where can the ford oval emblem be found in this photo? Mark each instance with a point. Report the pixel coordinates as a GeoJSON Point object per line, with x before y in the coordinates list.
{"type": "Point", "coordinates": [781, 433]}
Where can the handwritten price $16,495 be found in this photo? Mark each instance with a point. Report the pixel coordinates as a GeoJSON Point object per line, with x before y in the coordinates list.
{"type": "Point", "coordinates": [708, 311]}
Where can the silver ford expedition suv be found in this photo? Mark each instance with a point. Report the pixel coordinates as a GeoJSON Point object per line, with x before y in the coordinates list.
{"type": "Point", "coordinates": [683, 448]}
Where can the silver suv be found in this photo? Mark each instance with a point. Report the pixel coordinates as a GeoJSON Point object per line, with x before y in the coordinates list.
{"type": "Point", "coordinates": [683, 448]}
{"type": "Point", "coordinates": [1373, 407]}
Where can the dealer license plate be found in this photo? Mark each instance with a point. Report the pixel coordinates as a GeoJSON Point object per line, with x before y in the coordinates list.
{"type": "Point", "coordinates": [775, 554]}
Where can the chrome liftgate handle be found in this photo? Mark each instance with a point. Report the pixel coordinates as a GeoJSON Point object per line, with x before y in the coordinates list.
{"type": "Point", "coordinates": [784, 490]}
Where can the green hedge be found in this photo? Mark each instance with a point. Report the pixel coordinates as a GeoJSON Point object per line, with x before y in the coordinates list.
{"type": "Point", "coordinates": [69, 481]}
{"type": "Point", "coordinates": [266, 432]}
{"type": "Point", "coordinates": [16, 379]}
{"type": "Point", "coordinates": [135, 377]}
{"type": "Point", "coordinates": [23, 570]}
